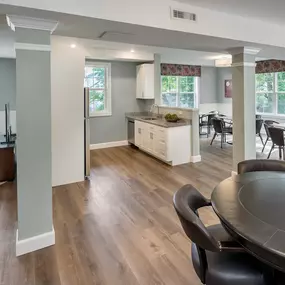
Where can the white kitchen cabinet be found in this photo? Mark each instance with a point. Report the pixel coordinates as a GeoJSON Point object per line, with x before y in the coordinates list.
{"type": "Point", "coordinates": [145, 81]}
{"type": "Point", "coordinates": [171, 145]}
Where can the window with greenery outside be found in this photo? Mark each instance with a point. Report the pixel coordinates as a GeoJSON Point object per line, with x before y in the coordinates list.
{"type": "Point", "coordinates": [178, 91]}
{"type": "Point", "coordinates": [95, 80]}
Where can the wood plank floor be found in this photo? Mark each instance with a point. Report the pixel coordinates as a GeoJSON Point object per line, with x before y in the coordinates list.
{"type": "Point", "coordinates": [120, 227]}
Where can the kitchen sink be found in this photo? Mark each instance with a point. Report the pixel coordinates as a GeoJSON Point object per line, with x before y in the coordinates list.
{"type": "Point", "coordinates": [150, 119]}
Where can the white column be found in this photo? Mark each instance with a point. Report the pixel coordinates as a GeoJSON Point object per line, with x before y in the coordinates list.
{"type": "Point", "coordinates": [33, 119]}
{"type": "Point", "coordinates": [243, 104]}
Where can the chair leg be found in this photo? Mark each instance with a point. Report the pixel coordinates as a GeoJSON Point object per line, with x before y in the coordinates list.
{"type": "Point", "coordinates": [283, 152]}
{"type": "Point", "coordinates": [215, 134]}
{"type": "Point", "coordinates": [222, 139]}
{"type": "Point", "coordinates": [265, 144]}
{"type": "Point", "coordinates": [280, 154]}
{"type": "Point", "coordinates": [261, 139]}
{"type": "Point", "coordinates": [270, 151]}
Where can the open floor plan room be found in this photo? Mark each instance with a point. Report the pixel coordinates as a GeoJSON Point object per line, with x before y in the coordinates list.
{"type": "Point", "coordinates": [118, 228]}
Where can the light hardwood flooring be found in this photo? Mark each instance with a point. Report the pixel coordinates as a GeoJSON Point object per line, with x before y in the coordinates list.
{"type": "Point", "coordinates": [120, 227]}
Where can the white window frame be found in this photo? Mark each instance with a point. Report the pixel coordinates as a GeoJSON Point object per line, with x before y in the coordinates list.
{"type": "Point", "coordinates": [275, 94]}
{"type": "Point", "coordinates": [196, 93]}
{"type": "Point", "coordinates": [108, 92]}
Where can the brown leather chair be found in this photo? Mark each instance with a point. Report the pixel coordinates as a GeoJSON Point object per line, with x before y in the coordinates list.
{"type": "Point", "coordinates": [216, 257]}
{"type": "Point", "coordinates": [261, 165]}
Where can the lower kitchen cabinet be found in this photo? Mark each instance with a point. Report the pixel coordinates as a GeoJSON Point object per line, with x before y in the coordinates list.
{"type": "Point", "coordinates": [171, 145]}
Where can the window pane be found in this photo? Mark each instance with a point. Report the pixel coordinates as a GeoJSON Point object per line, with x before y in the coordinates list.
{"type": "Point", "coordinates": [264, 103]}
{"type": "Point", "coordinates": [281, 104]}
{"type": "Point", "coordinates": [187, 100]}
{"type": "Point", "coordinates": [97, 100]}
{"type": "Point", "coordinates": [186, 84]}
{"type": "Point", "coordinates": [264, 82]}
{"type": "Point", "coordinates": [281, 81]}
{"type": "Point", "coordinates": [94, 77]}
{"type": "Point", "coordinates": [169, 84]}
{"type": "Point", "coordinates": [169, 99]}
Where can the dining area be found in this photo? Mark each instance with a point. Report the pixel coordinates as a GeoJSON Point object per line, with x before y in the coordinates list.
{"type": "Point", "coordinates": [219, 128]}
{"type": "Point", "coordinates": [247, 246]}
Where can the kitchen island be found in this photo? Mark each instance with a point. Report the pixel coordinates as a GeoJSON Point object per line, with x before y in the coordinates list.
{"type": "Point", "coordinates": [169, 142]}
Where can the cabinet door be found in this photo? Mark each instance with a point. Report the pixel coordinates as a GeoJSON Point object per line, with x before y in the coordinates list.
{"type": "Point", "coordinates": [148, 81]}
{"type": "Point", "coordinates": [138, 134]}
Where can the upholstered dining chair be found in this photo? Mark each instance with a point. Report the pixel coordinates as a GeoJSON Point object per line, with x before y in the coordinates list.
{"type": "Point", "coordinates": [277, 137]}
{"type": "Point", "coordinates": [267, 124]}
{"type": "Point", "coordinates": [253, 165]}
{"type": "Point", "coordinates": [217, 259]}
{"type": "Point", "coordinates": [220, 129]}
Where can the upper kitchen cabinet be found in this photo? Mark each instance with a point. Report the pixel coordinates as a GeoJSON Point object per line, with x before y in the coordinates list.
{"type": "Point", "coordinates": [145, 81]}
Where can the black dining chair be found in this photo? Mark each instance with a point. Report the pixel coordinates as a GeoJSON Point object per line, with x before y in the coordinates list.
{"type": "Point", "coordinates": [207, 123]}
{"type": "Point", "coordinates": [216, 258]}
{"type": "Point", "coordinates": [277, 137]}
{"type": "Point", "coordinates": [258, 116]}
{"type": "Point", "coordinates": [258, 126]}
{"type": "Point", "coordinates": [253, 165]}
{"type": "Point", "coordinates": [220, 129]}
{"type": "Point", "coordinates": [268, 123]}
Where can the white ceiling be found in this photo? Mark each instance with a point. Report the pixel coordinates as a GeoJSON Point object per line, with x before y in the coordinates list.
{"type": "Point", "coordinates": [272, 10]}
{"type": "Point", "coordinates": [91, 28]}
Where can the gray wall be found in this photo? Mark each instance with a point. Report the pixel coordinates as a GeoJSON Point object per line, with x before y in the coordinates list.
{"type": "Point", "coordinates": [34, 187]}
{"type": "Point", "coordinates": [114, 128]}
{"type": "Point", "coordinates": [208, 85]}
{"type": "Point", "coordinates": [7, 83]}
{"type": "Point", "coordinates": [223, 74]}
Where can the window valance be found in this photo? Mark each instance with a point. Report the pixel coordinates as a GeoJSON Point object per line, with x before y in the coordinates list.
{"type": "Point", "coordinates": [180, 70]}
{"type": "Point", "coordinates": [268, 66]}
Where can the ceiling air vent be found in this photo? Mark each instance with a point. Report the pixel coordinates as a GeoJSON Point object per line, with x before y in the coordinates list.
{"type": "Point", "coordinates": [177, 14]}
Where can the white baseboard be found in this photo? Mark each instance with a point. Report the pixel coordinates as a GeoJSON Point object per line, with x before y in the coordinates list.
{"type": "Point", "coordinates": [108, 144]}
{"type": "Point", "coordinates": [196, 158]}
{"type": "Point", "coordinates": [34, 243]}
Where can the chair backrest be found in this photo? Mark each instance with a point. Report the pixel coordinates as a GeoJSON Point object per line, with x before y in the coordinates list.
{"type": "Point", "coordinates": [210, 118]}
{"type": "Point", "coordinates": [258, 124]}
{"type": "Point", "coordinates": [268, 123]}
{"type": "Point", "coordinates": [253, 165]}
{"type": "Point", "coordinates": [277, 135]}
{"type": "Point", "coordinates": [218, 125]}
{"type": "Point", "coordinates": [258, 116]}
{"type": "Point", "coordinates": [187, 200]}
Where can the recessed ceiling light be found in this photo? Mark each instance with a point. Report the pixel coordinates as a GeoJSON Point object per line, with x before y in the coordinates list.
{"type": "Point", "coordinates": [132, 50]}
{"type": "Point", "coordinates": [73, 45]}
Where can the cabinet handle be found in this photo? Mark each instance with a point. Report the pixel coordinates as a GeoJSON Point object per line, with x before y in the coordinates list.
{"type": "Point", "coordinates": [151, 135]}
{"type": "Point", "coordinates": [139, 130]}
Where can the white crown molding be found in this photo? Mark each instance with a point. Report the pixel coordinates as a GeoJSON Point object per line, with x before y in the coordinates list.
{"type": "Point", "coordinates": [244, 50]}
{"type": "Point", "coordinates": [15, 21]}
{"type": "Point", "coordinates": [28, 46]}
{"type": "Point", "coordinates": [248, 64]}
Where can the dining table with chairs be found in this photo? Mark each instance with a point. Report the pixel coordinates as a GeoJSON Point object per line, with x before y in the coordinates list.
{"type": "Point", "coordinates": [248, 245]}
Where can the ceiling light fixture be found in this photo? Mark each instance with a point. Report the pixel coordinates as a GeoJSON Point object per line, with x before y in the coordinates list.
{"type": "Point", "coordinates": [73, 45]}
{"type": "Point", "coordinates": [132, 50]}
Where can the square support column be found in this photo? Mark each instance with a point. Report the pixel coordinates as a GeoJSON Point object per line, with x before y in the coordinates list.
{"type": "Point", "coordinates": [243, 104]}
{"type": "Point", "coordinates": [33, 119]}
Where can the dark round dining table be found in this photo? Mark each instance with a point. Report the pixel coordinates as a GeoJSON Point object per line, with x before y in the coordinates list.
{"type": "Point", "coordinates": [251, 208]}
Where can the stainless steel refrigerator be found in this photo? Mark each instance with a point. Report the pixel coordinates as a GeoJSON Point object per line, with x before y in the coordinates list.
{"type": "Point", "coordinates": [86, 134]}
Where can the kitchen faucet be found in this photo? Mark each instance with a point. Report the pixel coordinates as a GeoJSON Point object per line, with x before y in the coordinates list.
{"type": "Point", "coordinates": [152, 107]}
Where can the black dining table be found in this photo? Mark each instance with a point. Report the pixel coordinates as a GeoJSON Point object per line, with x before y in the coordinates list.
{"type": "Point", "coordinates": [251, 208]}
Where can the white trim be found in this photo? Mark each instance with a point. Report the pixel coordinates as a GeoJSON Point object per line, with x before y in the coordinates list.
{"type": "Point", "coordinates": [195, 158]}
{"type": "Point", "coordinates": [244, 50]}
{"type": "Point", "coordinates": [108, 144]}
{"type": "Point", "coordinates": [234, 175]}
{"type": "Point", "coordinates": [250, 64]}
{"type": "Point", "coordinates": [15, 21]}
{"type": "Point", "coordinates": [28, 46]}
{"type": "Point", "coordinates": [34, 243]}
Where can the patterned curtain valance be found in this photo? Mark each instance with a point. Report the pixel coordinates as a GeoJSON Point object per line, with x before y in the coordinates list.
{"type": "Point", "coordinates": [180, 70]}
{"type": "Point", "coordinates": [268, 66]}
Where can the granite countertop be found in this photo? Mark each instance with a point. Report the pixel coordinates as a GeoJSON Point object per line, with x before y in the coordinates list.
{"type": "Point", "coordinates": [160, 121]}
